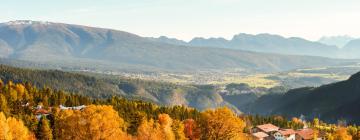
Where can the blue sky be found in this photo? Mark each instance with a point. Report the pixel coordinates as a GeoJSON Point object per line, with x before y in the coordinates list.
{"type": "Point", "coordinates": [186, 19]}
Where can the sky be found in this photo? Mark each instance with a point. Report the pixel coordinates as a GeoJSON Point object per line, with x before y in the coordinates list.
{"type": "Point", "coordinates": [185, 19]}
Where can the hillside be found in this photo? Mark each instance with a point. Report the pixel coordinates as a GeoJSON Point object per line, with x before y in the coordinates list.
{"type": "Point", "coordinates": [329, 102]}
{"type": "Point", "coordinates": [200, 97]}
{"type": "Point", "coordinates": [75, 45]}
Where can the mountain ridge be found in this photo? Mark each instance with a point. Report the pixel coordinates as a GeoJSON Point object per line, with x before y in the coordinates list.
{"type": "Point", "coordinates": [264, 42]}
{"type": "Point", "coordinates": [59, 43]}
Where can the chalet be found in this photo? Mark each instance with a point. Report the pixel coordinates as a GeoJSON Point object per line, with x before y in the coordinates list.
{"type": "Point", "coordinates": [40, 111]}
{"type": "Point", "coordinates": [285, 134]}
{"type": "Point", "coordinates": [266, 128]}
{"type": "Point", "coordinates": [306, 134]}
{"type": "Point", "coordinates": [261, 136]}
{"type": "Point", "coordinates": [72, 108]}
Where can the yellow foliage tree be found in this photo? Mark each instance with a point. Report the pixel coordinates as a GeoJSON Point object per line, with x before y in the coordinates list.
{"type": "Point", "coordinates": [341, 134]}
{"type": "Point", "coordinates": [316, 122]}
{"type": "Point", "coordinates": [45, 131]}
{"type": "Point", "coordinates": [149, 130]}
{"type": "Point", "coordinates": [165, 125]}
{"type": "Point", "coordinates": [20, 89]}
{"type": "Point", "coordinates": [1, 83]}
{"type": "Point", "coordinates": [161, 130]}
{"type": "Point", "coordinates": [178, 129]}
{"type": "Point", "coordinates": [4, 128]}
{"type": "Point", "coordinates": [221, 124]}
{"type": "Point", "coordinates": [12, 128]}
{"type": "Point", "coordinates": [4, 105]}
{"type": "Point", "coordinates": [92, 123]}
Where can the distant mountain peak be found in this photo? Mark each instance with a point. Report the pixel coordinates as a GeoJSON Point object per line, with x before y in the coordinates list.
{"type": "Point", "coordinates": [261, 35]}
{"type": "Point", "coordinates": [339, 41]}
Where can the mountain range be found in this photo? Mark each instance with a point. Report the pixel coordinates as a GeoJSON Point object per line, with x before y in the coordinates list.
{"type": "Point", "coordinates": [76, 45]}
{"type": "Point", "coordinates": [334, 47]}
{"type": "Point", "coordinates": [262, 43]}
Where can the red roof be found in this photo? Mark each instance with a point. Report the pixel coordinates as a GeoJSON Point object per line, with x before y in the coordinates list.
{"type": "Point", "coordinates": [286, 132]}
{"type": "Point", "coordinates": [268, 127]}
{"type": "Point", "coordinates": [306, 134]}
{"type": "Point", "coordinates": [260, 135]}
{"type": "Point", "coordinates": [41, 111]}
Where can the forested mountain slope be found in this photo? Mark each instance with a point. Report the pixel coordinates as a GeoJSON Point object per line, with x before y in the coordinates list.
{"type": "Point", "coordinates": [201, 97]}
{"type": "Point", "coordinates": [329, 102]}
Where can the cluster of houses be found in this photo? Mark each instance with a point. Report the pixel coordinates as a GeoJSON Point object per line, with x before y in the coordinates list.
{"type": "Point", "coordinates": [272, 132]}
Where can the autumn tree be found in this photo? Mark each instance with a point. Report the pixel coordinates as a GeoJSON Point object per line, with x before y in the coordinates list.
{"type": "Point", "coordinates": [152, 130]}
{"type": "Point", "coordinates": [4, 128]}
{"type": "Point", "coordinates": [4, 105]}
{"type": "Point", "coordinates": [92, 123]}
{"type": "Point", "coordinates": [341, 134]}
{"type": "Point", "coordinates": [316, 122]}
{"type": "Point", "coordinates": [165, 125]}
{"type": "Point", "coordinates": [178, 129]}
{"type": "Point", "coordinates": [149, 130]}
{"type": "Point", "coordinates": [221, 124]}
{"type": "Point", "coordinates": [45, 131]}
{"type": "Point", "coordinates": [1, 83]}
{"type": "Point", "coordinates": [192, 131]}
{"type": "Point", "coordinates": [11, 128]}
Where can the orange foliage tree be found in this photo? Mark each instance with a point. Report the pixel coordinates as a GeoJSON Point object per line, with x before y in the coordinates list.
{"type": "Point", "coordinates": [92, 123]}
{"type": "Point", "coordinates": [341, 134]}
{"type": "Point", "coordinates": [192, 131]}
{"type": "Point", "coordinates": [162, 129]}
{"type": "Point", "coordinates": [221, 123]}
{"type": "Point", "coordinates": [11, 128]}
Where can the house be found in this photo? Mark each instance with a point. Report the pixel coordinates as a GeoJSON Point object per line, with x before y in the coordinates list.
{"type": "Point", "coordinates": [306, 134]}
{"type": "Point", "coordinates": [40, 111]}
{"type": "Point", "coordinates": [266, 128]}
{"type": "Point", "coordinates": [72, 108]}
{"type": "Point", "coordinates": [285, 134]}
{"type": "Point", "coordinates": [260, 136]}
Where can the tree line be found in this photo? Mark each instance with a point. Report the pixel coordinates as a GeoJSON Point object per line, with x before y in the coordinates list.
{"type": "Point", "coordinates": [112, 118]}
{"type": "Point", "coordinates": [119, 118]}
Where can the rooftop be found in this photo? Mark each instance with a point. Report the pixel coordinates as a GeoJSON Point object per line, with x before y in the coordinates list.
{"type": "Point", "coordinates": [268, 127]}
{"type": "Point", "coordinates": [286, 132]}
{"type": "Point", "coordinates": [305, 133]}
{"type": "Point", "coordinates": [41, 111]}
{"type": "Point", "coordinates": [260, 135]}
